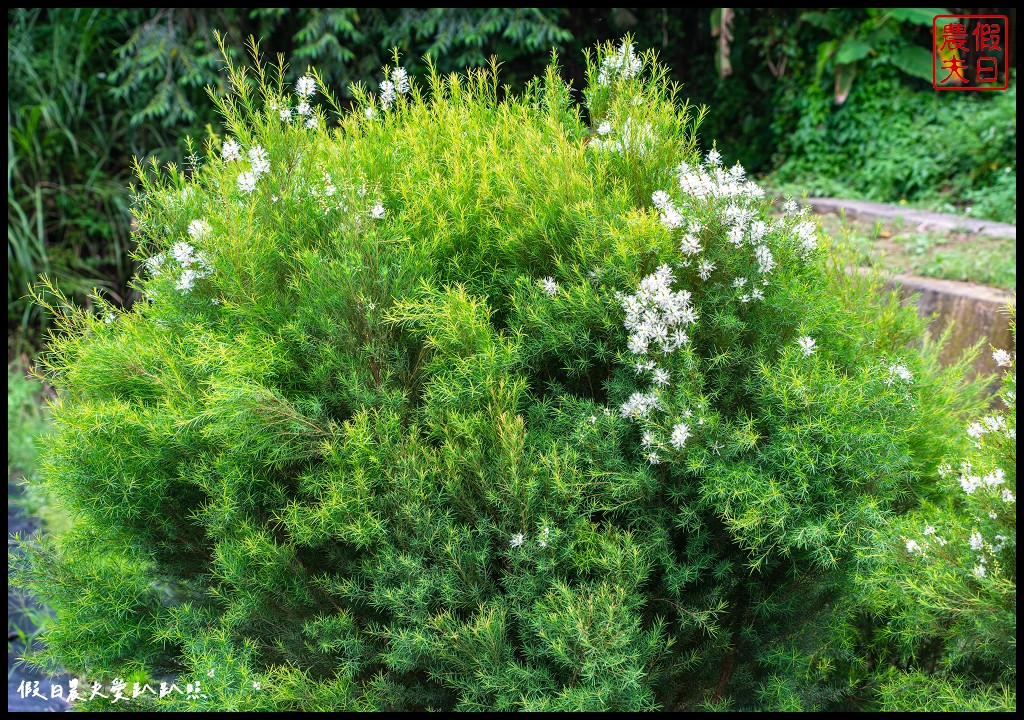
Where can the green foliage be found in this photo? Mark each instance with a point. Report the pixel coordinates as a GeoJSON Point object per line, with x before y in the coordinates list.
{"type": "Point", "coordinates": [66, 198]}
{"type": "Point", "coordinates": [888, 142]}
{"type": "Point", "coordinates": [466, 403]}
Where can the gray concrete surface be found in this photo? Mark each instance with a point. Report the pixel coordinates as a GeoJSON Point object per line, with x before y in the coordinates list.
{"type": "Point", "coordinates": [919, 220]}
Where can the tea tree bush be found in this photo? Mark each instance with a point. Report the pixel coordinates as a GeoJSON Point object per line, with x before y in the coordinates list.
{"type": "Point", "coordinates": [462, 403]}
{"type": "Point", "coordinates": [945, 576]}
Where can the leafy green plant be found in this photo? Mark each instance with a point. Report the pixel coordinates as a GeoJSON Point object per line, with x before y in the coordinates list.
{"type": "Point", "coordinates": [63, 203]}
{"type": "Point", "coordinates": [880, 146]}
{"type": "Point", "coordinates": [465, 403]}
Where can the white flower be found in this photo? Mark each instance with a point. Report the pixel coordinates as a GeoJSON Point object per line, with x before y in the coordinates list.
{"type": "Point", "coordinates": [182, 252]}
{"type": "Point", "coordinates": [756, 294]}
{"type": "Point", "coordinates": [648, 439]}
{"type": "Point", "coordinates": [401, 80]}
{"type": "Point", "coordinates": [929, 530]}
{"type": "Point", "coordinates": [259, 160]}
{"type": "Point", "coordinates": [286, 115]}
{"type": "Point", "coordinates": [912, 547]}
{"type": "Point", "coordinates": [188, 277]}
{"type": "Point", "coordinates": [653, 458]}
{"type": "Point", "coordinates": [689, 245]}
{"type": "Point", "coordinates": [899, 370]}
{"type": "Point", "coordinates": [306, 86]}
{"type": "Point", "coordinates": [109, 318]}
{"type": "Point", "coordinates": [544, 534]}
{"type": "Point", "coordinates": [377, 211]}
{"type": "Point", "coordinates": [1008, 496]}
{"type": "Point", "coordinates": [705, 269]}
{"type": "Point", "coordinates": [739, 282]}
{"type": "Point", "coordinates": [714, 158]}
{"type": "Point", "coordinates": [550, 286]}
{"type": "Point", "coordinates": [640, 405]}
{"type": "Point", "coordinates": [517, 540]}
{"type": "Point", "coordinates": [736, 236]}
{"type": "Point", "coordinates": [806, 344]}
{"type": "Point", "coordinates": [758, 229]}
{"type": "Point", "coordinates": [246, 182]}
{"type": "Point", "coordinates": [994, 423]}
{"type": "Point", "coordinates": [154, 263]}
{"type": "Point", "coordinates": [387, 94]}
{"type": "Point", "coordinates": [661, 377]}
{"type": "Point", "coordinates": [624, 63]}
{"type": "Point", "coordinates": [996, 477]}
{"type": "Point", "coordinates": [368, 112]}
{"type": "Point", "coordinates": [230, 150]}
{"type": "Point", "coordinates": [807, 233]}
{"type": "Point", "coordinates": [765, 261]}
{"type": "Point", "coordinates": [975, 430]}
{"type": "Point", "coordinates": [312, 123]}
{"type": "Point", "coordinates": [304, 109]}
{"type": "Point", "coordinates": [199, 229]}
{"type": "Point", "coordinates": [604, 128]}
{"type": "Point", "coordinates": [791, 207]}
{"type": "Point", "coordinates": [679, 435]}
{"type": "Point", "coordinates": [671, 218]}
{"type": "Point", "coordinates": [1001, 357]}
{"type": "Point", "coordinates": [641, 365]}
{"type": "Point", "coordinates": [980, 571]}
{"type": "Point", "coordinates": [976, 541]}
{"type": "Point", "coordinates": [970, 483]}
{"type": "Point", "coordinates": [592, 419]}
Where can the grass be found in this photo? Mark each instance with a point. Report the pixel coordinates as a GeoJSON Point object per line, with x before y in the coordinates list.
{"type": "Point", "coordinates": [946, 255]}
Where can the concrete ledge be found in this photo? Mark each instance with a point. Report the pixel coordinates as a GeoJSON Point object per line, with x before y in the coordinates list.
{"type": "Point", "coordinates": [976, 312]}
{"type": "Point", "coordinates": [920, 220]}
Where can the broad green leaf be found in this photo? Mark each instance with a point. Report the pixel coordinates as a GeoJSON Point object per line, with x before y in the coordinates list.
{"type": "Point", "coordinates": [917, 16]}
{"type": "Point", "coordinates": [914, 61]}
{"type": "Point", "coordinates": [851, 51]}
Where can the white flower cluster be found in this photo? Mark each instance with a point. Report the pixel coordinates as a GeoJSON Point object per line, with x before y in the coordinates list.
{"type": "Point", "coordinates": [194, 265]}
{"type": "Point", "coordinates": [971, 483]}
{"type": "Point", "coordinates": [640, 405]}
{"type": "Point", "coordinates": [391, 88]}
{"type": "Point", "coordinates": [259, 163]}
{"type": "Point", "coordinates": [984, 548]}
{"type": "Point", "coordinates": [625, 64]}
{"type": "Point", "coordinates": [230, 150]}
{"type": "Point", "coordinates": [899, 370]}
{"type": "Point", "coordinates": [550, 286]}
{"type": "Point", "coordinates": [519, 539]}
{"type": "Point", "coordinates": [807, 233]}
{"type": "Point", "coordinates": [913, 547]}
{"type": "Point", "coordinates": [657, 314]}
{"type": "Point", "coordinates": [305, 88]}
{"type": "Point", "coordinates": [995, 423]}
{"type": "Point", "coordinates": [711, 180]}
{"type": "Point", "coordinates": [1002, 357]}
{"type": "Point", "coordinates": [806, 344]}
{"type": "Point", "coordinates": [632, 138]}
{"type": "Point", "coordinates": [199, 229]}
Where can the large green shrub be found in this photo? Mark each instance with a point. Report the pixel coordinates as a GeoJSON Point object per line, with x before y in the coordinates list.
{"type": "Point", "coordinates": [463, 403]}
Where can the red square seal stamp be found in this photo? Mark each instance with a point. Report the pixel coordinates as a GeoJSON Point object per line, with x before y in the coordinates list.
{"type": "Point", "coordinates": [969, 52]}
